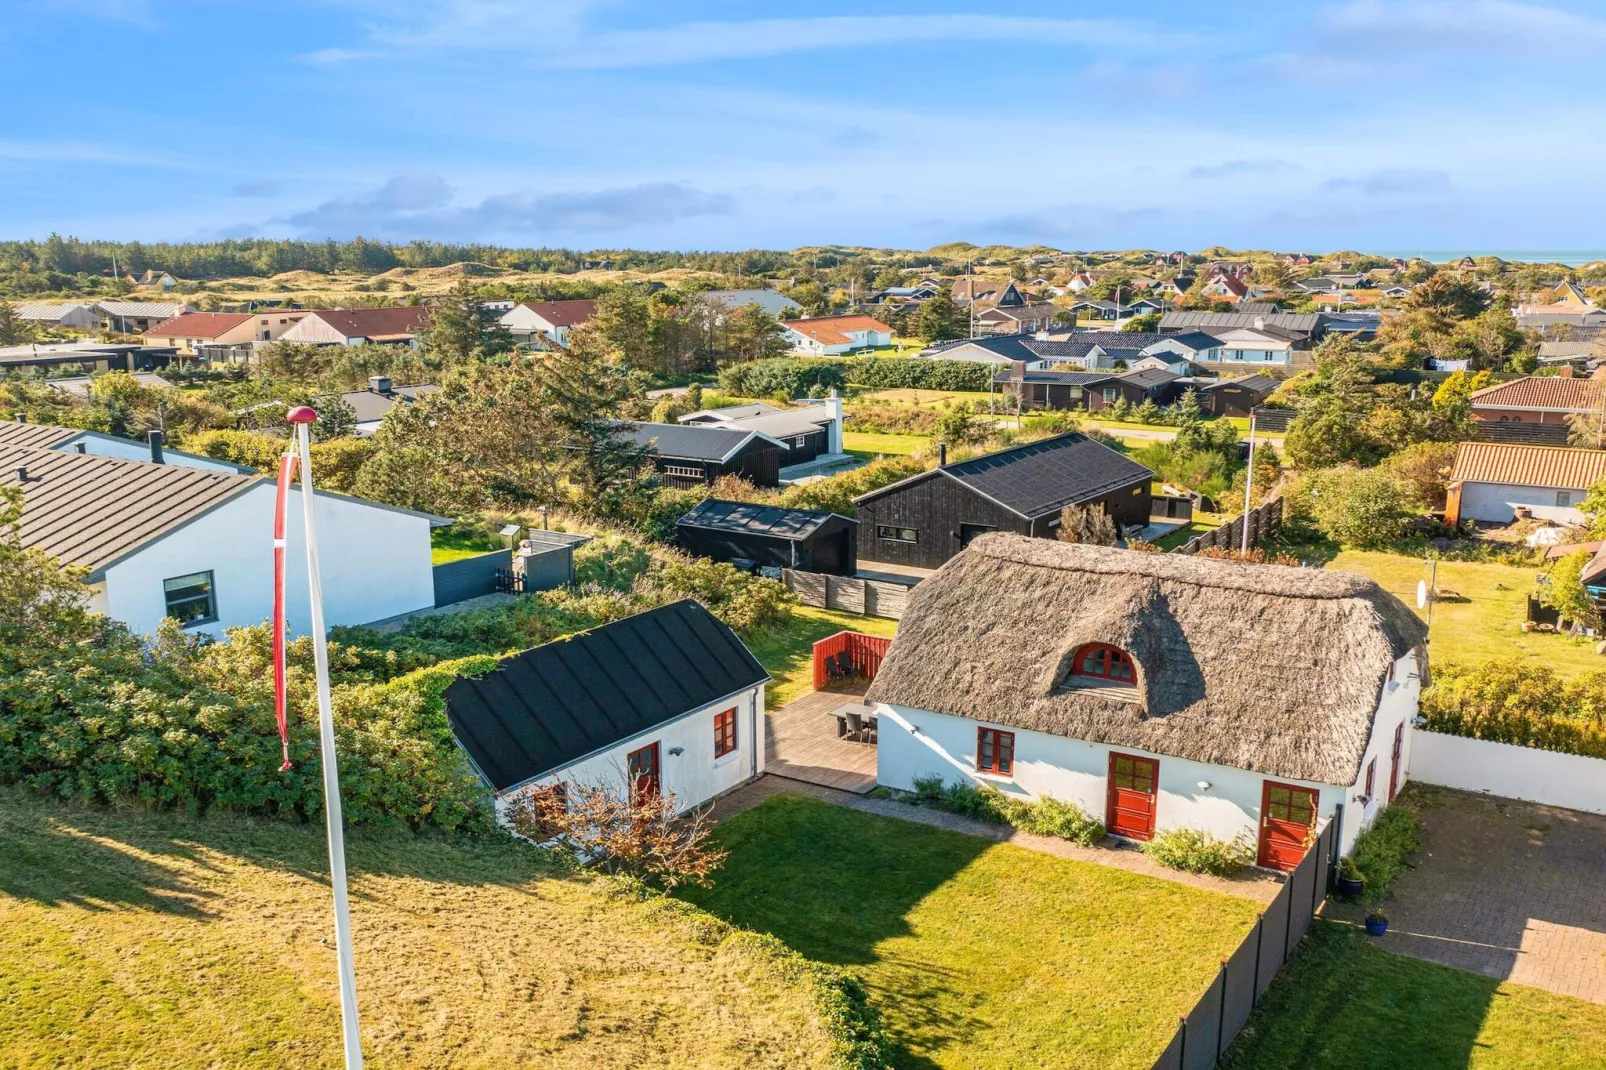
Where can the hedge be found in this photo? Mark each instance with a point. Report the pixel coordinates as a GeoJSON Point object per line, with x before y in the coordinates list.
{"type": "Point", "coordinates": [796, 377]}
{"type": "Point", "coordinates": [783, 377]}
{"type": "Point", "coordinates": [1508, 701]}
{"type": "Point", "coordinates": [922, 373]}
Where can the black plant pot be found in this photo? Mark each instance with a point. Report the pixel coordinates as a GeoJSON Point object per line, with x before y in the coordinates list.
{"type": "Point", "coordinates": [1350, 887]}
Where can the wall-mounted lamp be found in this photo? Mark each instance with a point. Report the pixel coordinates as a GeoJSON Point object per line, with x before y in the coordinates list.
{"type": "Point", "coordinates": [1204, 785]}
{"type": "Point", "coordinates": [676, 752]}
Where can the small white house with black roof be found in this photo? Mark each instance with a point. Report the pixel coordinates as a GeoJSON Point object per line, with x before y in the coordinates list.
{"type": "Point", "coordinates": [669, 700]}
{"type": "Point", "coordinates": [811, 540]}
{"type": "Point", "coordinates": [926, 519]}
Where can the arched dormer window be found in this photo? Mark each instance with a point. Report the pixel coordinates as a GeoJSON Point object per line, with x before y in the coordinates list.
{"type": "Point", "coordinates": [1103, 665]}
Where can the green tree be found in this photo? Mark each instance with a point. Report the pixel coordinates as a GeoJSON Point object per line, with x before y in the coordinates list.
{"type": "Point", "coordinates": [1563, 589]}
{"type": "Point", "coordinates": [13, 331]}
{"type": "Point", "coordinates": [960, 425]}
{"type": "Point", "coordinates": [462, 329]}
{"type": "Point", "coordinates": [749, 333]}
{"type": "Point", "coordinates": [1147, 323]}
{"type": "Point", "coordinates": [620, 330]}
{"type": "Point", "coordinates": [940, 318]}
{"type": "Point", "coordinates": [1450, 296]}
{"type": "Point", "coordinates": [1362, 508]}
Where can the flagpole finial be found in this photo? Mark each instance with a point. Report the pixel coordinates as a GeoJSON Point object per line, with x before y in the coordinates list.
{"type": "Point", "coordinates": [301, 414]}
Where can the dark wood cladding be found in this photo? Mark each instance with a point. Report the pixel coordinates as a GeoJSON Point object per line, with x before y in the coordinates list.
{"type": "Point", "coordinates": [758, 462]}
{"type": "Point", "coordinates": [831, 548]}
{"type": "Point", "coordinates": [945, 514]}
{"type": "Point", "coordinates": [809, 447]}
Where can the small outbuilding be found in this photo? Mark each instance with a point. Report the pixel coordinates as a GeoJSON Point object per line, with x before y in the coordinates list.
{"type": "Point", "coordinates": [810, 540]}
{"type": "Point", "coordinates": [665, 701]}
{"type": "Point", "coordinates": [1490, 481]}
{"type": "Point", "coordinates": [690, 455]}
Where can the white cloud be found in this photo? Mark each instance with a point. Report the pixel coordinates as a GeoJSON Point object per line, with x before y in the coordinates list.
{"type": "Point", "coordinates": [1392, 182]}
{"type": "Point", "coordinates": [1489, 27]}
{"type": "Point", "coordinates": [1241, 168]}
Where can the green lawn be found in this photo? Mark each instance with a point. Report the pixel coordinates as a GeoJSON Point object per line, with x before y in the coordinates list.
{"type": "Point", "coordinates": [935, 400]}
{"type": "Point", "coordinates": [978, 954]}
{"type": "Point", "coordinates": [870, 443]}
{"type": "Point", "coordinates": [1342, 1003]}
{"type": "Point", "coordinates": [132, 939]}
{"type": "Point", "coordinates": [446, 545]}
{"type": "Point", "coordinates": [1487, 623]}
{"type": "Point", "coordinates": [788, 654]}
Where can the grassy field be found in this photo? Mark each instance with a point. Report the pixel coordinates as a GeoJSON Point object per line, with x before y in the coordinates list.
{"type": "Point", "coordinates": [1344, 1004]}
{"type": "Point", "coordinates": [140, 940]}
{"type": "Point", "coordinates": [447, 545]}
{"type": "Point", "coordinates": [978, 954]}
{"type": "Point", "coordinates": [870, 444]}
{"type": "Point", "coordinates": [915, 398]}
{"type": "Point", "coordinates": [1486, 623]}
{"type": "Point", "coordinates": [789, 657]}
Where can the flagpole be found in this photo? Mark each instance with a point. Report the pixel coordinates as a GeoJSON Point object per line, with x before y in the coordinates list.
{"type": "Point", "coordinates": [302, 417]}
{"type": "Point", "coordinates": [1249, 482]}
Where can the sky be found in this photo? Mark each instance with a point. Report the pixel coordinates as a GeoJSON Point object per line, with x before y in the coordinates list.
{"type": "Point", "coordinates": [1391, 126]}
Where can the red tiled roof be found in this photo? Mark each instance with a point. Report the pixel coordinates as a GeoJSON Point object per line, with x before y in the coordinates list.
{"type": "Point", "coordinates": [563, 313]}
{"type": "Point", "coordinates": [832, 330]}
{"type": "Point", "coordinates": [1528, 466]}
{"type": "Point", "coordinates": [1550, 392]}
{"type": "Point", "coordinates": [389, 323]}
{"type": "Point", "coordinates": [199, 324]}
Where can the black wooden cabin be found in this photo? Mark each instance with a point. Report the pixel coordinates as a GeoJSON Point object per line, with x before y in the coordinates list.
{"type": "Point", "coordinates": [690, 455]}
{"type": "Point", "coordinates": [805, 539]}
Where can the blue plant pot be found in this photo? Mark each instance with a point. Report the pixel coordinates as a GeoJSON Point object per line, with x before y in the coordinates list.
{"type": "Point", "coordinates": [1376, 925]}
{"type": "Point", "coordinates": [1350, 887]}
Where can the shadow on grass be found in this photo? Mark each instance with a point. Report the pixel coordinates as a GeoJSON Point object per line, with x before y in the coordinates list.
{"type": "Point", "coordinates": [835, 885]}
{"type": "Point", "coordinates": [58, 853]}
{"type": "Point", "coordinates": [1343, 1004]}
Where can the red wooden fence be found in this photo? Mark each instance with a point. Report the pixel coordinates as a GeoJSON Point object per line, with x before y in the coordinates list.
{"type": "Point", "coordinates": [865, 652]}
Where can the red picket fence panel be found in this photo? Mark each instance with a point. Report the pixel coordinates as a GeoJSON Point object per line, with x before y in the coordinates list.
{"type": "Point", "coordinates": [864, 651]}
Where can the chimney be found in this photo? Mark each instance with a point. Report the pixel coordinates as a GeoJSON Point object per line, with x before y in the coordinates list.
{"type": "Point", "coordinates": [1260, 323]}
{"type": "Point", "coordinates": [833, 406]}
{"type": "Point", "coordinates": [22, 417]}
{"type": "Point", "coordinates": [80, 448]}
{"type": "Point", "coordinates": [156, 447]}
{"type": "Point", "coordinates": [379, 384]}
{"type": "Point", "coordinates": [942, 453]}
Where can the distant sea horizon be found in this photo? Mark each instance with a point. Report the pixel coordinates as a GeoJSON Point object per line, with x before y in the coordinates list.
{"type": "Point", "coordinates": [1569, 257]}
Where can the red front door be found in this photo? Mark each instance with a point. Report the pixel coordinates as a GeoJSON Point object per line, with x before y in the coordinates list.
{"type": "Point", "coordinates": [1394, 762]}
{"type": "Point", "coordinates": [644, 771]}
{"type": "Point", "coordinates": [1133, 784]}
{"type": "Point", "coordinates": [1287, 822]}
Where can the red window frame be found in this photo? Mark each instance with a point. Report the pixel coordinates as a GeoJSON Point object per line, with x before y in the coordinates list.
{"type": "Point", "coordinates": [1101, 661]}
{"type": "Point", "coordinates": [645, 778]}
{"type": "Point", "coordinates": [725, 732]}
{"type": "Point", "coordinates": [995, 751]}
{"type": "Point", "coordinates": [1394, 760]}
{"type": "Point", "coordinates": [1371, 778]}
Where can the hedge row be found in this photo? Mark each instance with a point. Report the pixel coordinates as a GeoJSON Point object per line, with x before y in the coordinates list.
{"type": "Point", "coordinates": [796, 377]}
{"type": "Point", "coordinates": [1525, 705]}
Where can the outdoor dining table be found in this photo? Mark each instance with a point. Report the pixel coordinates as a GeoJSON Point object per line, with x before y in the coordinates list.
{"type": "Point", "coordinates": [866, 715]}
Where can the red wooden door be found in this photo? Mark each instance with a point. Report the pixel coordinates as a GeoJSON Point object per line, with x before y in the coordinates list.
{"type": "Point", "coordinates": [1287, 822]}
{"type": "Point", "coordinates": [1394, 761]}
{"type": "Point", "coordinates": [1134, 783]}
{"type": "Point", "coordinates": [644, 771]}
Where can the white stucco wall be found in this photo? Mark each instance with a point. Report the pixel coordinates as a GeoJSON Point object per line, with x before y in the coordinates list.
{"type": "Point", "coordinates": [1493, 502]}
{"type": "Point", "coordinates": [1541, 776]}
{"type": "Point", "coordinates": [694, 776]}
{"type": "Point", "coordinates": [914, 743]}
{"type": "Point", "coordinates": [375, 563]}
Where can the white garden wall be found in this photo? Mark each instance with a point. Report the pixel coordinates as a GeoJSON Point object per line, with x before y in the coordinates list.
{"type": "Point", "coordinates": [1540, 776]}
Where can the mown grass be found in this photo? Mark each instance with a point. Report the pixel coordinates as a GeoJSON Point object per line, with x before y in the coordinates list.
{"type": "Point", "coordinates": [976, 953]}
{"type": "Point", "coordinates": [1484, 622]}
{"type": "Point", "coordinates": [870, 444]}
{"type": "Point", "coordinates": [445, 545]}
{"type": "Point", "coordinates": [788, 653]}
{"type": "Point", "coordinates": [1341, 1003]}
{"type": "Point", "coordinates": [133, 939]}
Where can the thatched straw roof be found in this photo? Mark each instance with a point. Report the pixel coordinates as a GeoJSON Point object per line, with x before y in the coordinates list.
{"type": "Point", "coordinates": [1261, 667]}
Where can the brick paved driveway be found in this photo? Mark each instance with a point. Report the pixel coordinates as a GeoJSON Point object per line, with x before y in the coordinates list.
{"type": "Point", "coordinates": [1508, 889]}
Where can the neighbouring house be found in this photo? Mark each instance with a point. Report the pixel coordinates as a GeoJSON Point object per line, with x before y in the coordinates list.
{"type": "Point", "coordinates": [138, 317]}
{"type": "Point", "coordinates": [1087, 350]}
{"type": "Point", "coordinates": [829, 336]}
{"type": "Point", "coordinates": [194, 329]}
{"type": "Point", "coordinates": [1112, 310]}
{"type": "Point", "coordinates": [1079, 282]}
{"type": "Point", "coordinates": [60, 317]}
{"type": "Point", "coordinates": [752, 535]}
{"type": "Point", "coordinates": [1232, 397]}
{"type": "Point", "coordinates": [373, 404]}
{"type": "Point", "coordinates": [969, 289]}
{"type": "Point", "coordinates": [85, 358]}
{"type": "Point", "coordinates": [1139, 688]}
{"type": "Point", "coordinates": [690, 455]}
{"type": "Point", "coordinates": [1048, 388]}
{"type": "Point", "coordinates": [1543, 399]}
{"type": "Point", "coordinates": [805, 433]}
{"type": "Point", "coordinates": [195, 544]}
{"type": "Point", "coordinates": [928, 518]}
{"type": "Point", "coordinates": [774, 302]}
{"type": "Point", "coordinates": [552, 320]}
{"type": "Point", "coordinates": [1260, 345]}
{"type": "Point", "coordinates": [1026, 318]}
{"type": "Point", "coordinates": [1563, 305]}
{"type": "Point", "coordinates": [669, 700]}
{"type": "Point", "coordinates": [359, 326]}
{"type": "Point", "coordinates": [1308, 326]}
{"type": "Point", "coordinates": [101, 444]}
{"type": "Point", "coordinates": [1226, 285]}
{"type": "Point", "coordinates": [1491, 480]}
{"type": "Point", "coordinates": [152, 280]}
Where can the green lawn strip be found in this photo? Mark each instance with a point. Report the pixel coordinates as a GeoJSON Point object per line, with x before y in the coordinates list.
{"type": "Point", "coordinates": [788, 653]}
{"type": "Point", "coordinates": [1342, 1003]}
{"type": "Point", "coordinates": [978, 954]}
{"type": "Point", "coordinates": [448, 545]}
{"type": "Point", "coordinates": [869, 444]}
{"type": "Point", "coordinates": [1487, 625]}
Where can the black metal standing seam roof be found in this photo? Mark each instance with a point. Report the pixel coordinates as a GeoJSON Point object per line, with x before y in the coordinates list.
{"type": "Point", "coordinates": [1149, 378]}
{"type": "Point", "coordinates": [717, 514]}
{"type": "Point", "coordinates": [692, 442]}
{"type": "Point", "coordinates": [1044, 477]}
{"type": "Point", "coordinates": [555, 704]}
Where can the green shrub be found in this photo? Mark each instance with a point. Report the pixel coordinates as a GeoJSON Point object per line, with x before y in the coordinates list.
{"type": "Point", "coordinates": [1525, 705]}
{"type": "Point", "coordinates": [1356, 507]}
{"type": "Point", "coordinates": [792, 377]}
{"type": "Point", "coordinates": [1384, 850]}
{"type": "Point", "coordinates": [1043, 816]}
{"type": "Point", "coordinates": [921, 373]}
{"type": "Point", "coordinates": [1197, 851]}
{"type": "Point", "coordinates": [836, 493]}
{"type": "Point", "coordinates": [929, 789]}
{"type": "Point", "coordinates": [1048, 816]}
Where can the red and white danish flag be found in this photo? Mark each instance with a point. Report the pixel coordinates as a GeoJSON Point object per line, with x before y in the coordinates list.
{"type": "Point", "coordinates": [287, 470]}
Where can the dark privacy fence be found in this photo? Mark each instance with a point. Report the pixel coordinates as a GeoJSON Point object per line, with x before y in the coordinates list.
{"type": "Point", "coordinates": [1209, 1029]}
{"type": "Point", "coordinates": [1275, 421]}
{"type": "Point", "coordinates": [469, 577]}
{"type": "Point", "coordinates": [1264, 520]}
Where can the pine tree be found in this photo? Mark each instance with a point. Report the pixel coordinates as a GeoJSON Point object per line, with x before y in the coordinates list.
{"type": "Point", "coordinates": [13, 331]}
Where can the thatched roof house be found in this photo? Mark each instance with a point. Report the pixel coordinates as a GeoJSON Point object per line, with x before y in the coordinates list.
{"type": "Point", "coordinates": [1266, 668]}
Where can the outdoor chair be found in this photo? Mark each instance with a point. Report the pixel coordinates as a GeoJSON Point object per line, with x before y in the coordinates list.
{"type": "Point", "coordinates": [855, 727]}
{"type": "Point", "coordinates": [844, 665]}
{"type": "Point", "coordinates": [841, 726]}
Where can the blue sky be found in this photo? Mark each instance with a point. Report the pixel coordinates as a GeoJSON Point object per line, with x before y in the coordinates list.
{"type": "Point", "coordinates": [1407, 124]}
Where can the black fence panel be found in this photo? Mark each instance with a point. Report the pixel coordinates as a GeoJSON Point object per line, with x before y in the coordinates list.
{"type": "Point", "coordinates": [1238, 988]}
{"type": "Point", "coordinates": [1202, 1030]}
{"type": "Point", "coordinates": [1325, 854]}
{"type": "Point", "coordinates": [1301, 882]}
{"type": "Point", "coordinates": [470, 577]}
{"type": "Point", "coordinates": [1273, 939]}
{"type": "Point", "coordinates": [1171, 1058]}
{"type": "Point", "coordinates": [1274, 420]}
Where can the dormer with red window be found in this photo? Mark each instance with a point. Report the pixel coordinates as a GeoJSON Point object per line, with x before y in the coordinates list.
{"type": "Point", "coordinates": [1101, 667]}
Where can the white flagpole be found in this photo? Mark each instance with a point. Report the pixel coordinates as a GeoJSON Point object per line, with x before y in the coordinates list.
{"type": "Point", "coordinates": [1249, 482]}
{"type": "Point", "coordinates": [301, 417]}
